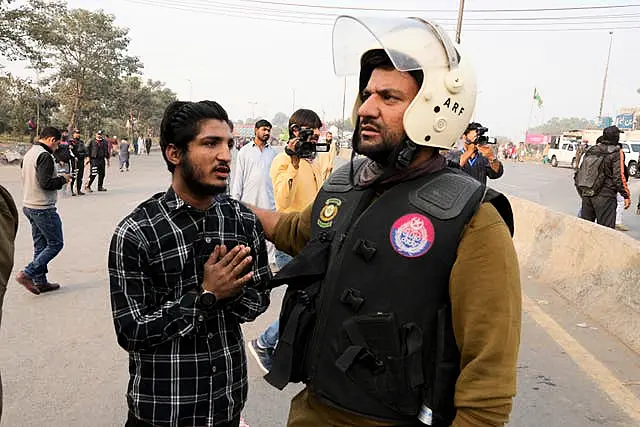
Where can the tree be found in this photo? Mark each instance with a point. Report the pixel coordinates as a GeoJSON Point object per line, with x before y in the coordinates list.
{"type": "Point", "coordinates": [559, 125]}
{"type": "Point", "coordinates": [280, 120]}
{"type": "Point", "coordinates": [88, 52]}
{"type": "Point", "coordinates": [15, 35]}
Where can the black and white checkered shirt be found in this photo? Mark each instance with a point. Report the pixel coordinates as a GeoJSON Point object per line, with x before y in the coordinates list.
{"type": "Point", "coordinates": [187, 364]}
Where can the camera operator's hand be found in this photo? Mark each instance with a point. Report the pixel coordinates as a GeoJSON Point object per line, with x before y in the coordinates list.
{"type": "Point", "coordinates": [291, 145]}
{"type": "Point", "coordinates": [223, 271]}
{"type": "Point", "coordinates": [486, 151]}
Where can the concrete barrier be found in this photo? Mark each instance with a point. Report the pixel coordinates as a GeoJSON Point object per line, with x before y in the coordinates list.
{"type": "Point", "coordinates": [596, 268]}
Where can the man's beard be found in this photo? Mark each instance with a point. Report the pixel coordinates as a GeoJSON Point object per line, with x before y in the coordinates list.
{"type": "Point", "coordinates": [382, 153]}
{"type": "Point", "coordinates": [193, 180]}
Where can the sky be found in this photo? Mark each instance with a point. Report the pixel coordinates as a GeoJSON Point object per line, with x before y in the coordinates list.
{"type": "Point", "coordinates": [254, 63]}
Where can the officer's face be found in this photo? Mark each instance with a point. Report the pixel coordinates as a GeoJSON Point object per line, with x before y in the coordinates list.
{"type": "Point", "coordinates": [385, 100]}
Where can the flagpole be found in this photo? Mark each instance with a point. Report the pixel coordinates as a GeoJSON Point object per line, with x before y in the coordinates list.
{"type": "Point", "coordinates": [533, 99]}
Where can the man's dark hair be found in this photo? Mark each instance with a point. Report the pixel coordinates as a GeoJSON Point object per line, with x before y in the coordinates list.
{"type": "Point", "coordinates": [231, 125]}
{"type": "Point", "coordinates": [305, 118]}
{"type": "Point", "coordinates": [50, 132]}
{"type": "Point", "coordinates": [378, 58]}
{"type": "Point", "coordinates": [181, 124]}
{"type": "Point", "coordinates": [263, 123]}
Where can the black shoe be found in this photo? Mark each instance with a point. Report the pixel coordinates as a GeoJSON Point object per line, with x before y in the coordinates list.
{"type": "Point", "coordinates": [48, 287]}
{"type": "Point", "coordinates": [73, 193]}
{"type": "Point", "coordinates": [80, 193]}
{"type": "Point", "coordinates": [264, 356]}
{"type": "Point", "coordinates": [102, 189]}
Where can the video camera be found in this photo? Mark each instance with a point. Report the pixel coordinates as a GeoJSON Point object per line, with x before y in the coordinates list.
{"type": "Point", "coordinates": [306, 147]}
{"type": "Point", "coordinates": [482, 138]}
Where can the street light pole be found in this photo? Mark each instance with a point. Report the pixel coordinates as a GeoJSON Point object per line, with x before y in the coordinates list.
{"type": "Point", "coordinates": [459, 28]}
{"type": "Point", "coordinates": [190, 90]}
{"type": "Point", "coordinates": [606, 73]}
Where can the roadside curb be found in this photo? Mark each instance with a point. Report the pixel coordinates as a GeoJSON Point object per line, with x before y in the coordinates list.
{"type": "Point", "coordinates": [595, 268]}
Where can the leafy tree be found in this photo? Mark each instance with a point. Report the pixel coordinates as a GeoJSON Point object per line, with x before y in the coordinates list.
{"type": "Point", "coordinates": [88, 52]}
{"type": "Point", "coordinates": [557, 125]}
{"type": "Point", "coordinates": [280, 120]}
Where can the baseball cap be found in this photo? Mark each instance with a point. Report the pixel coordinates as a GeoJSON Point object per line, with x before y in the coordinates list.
{"type": "Point", "coordinates": [76, 130]}
{"type": "Point", "coordinates": [99, 132]}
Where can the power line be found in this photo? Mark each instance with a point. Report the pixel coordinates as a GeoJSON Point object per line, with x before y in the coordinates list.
{"type": "Point", "coordinates": [235, 8]}
{"type": "Point", "coordinates": [316, 6]}
{"type": "Point", "coordinates": [299, 18]}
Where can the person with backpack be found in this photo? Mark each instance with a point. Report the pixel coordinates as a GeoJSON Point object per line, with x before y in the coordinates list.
{"type": "Point", "coordinates": [600, 177]}
{"type": "Point", "coordinates": [403, 303]}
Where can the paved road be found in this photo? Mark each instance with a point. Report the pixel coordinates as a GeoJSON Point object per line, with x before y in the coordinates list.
{"type": "Point", "coordinates": [553, 187]}
{"type": "Point", "coordinates": [62, 367]}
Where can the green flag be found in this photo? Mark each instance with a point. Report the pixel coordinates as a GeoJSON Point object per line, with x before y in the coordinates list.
{"type": "Point", "coordinates": [537, 97]}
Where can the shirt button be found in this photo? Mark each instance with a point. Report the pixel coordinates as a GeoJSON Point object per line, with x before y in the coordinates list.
{"type": "Point", "coordinates": [208, 240]}
{"type": "Point", "coordinates": [214, 369]}
{"type": "Point", "coordinates": [210, 335]}
{"type": "Point", "coordinates": [201, 318]}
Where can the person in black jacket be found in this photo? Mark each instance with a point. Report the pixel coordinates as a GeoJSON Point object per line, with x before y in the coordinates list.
{"type": "Point", "coordinates": [602, 206]}
{"type": "Point", "coordinates": [79, 150]}
{"type": "Point", "coordinates": [99, 157]}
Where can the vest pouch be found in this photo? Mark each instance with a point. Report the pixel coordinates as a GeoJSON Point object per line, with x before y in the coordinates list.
{"type": "Point", "coordinates": [440, 388]}
{"type": "Point", "coordinates": [385, 360]}
{"type": "Point", "coordinates": [297, 320]}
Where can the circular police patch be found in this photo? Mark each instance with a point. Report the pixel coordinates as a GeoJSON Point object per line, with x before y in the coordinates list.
{"type": "Point", "coordinates": [412, 235]}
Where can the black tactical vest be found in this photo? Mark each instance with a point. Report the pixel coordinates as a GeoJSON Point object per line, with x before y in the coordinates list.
{"type": "Point", "coordinates": [366, 320]}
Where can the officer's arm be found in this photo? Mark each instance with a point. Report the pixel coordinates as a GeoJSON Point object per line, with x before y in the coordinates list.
{"type": "Point", "coordinates": [289, 232]}
{"type": "Point", "coordinates": [486, 307]}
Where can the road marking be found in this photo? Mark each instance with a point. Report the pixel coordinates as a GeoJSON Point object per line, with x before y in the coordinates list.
{"type": "Point", "coordinates": [601, 375]}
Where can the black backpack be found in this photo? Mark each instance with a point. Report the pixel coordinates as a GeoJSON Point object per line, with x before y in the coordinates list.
{"type": "Point", "coordinates": [589, 178]}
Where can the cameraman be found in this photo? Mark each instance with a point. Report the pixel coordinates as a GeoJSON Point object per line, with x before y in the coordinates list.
{"type": "Point", "coordinates": [298, 173]}
{"type": "Point", "coordinates": [477, 157]}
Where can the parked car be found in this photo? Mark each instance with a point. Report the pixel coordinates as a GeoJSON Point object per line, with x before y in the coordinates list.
{"type": "Point", "coordinates": [564, 155]}
{"type": "Point", "coordinates": [631, 151]}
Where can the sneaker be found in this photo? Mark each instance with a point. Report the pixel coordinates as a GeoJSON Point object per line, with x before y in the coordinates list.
{"type": "Point", "coordinates": [48, 287]}
{"type": "Point", "coordinates": [622, 227]}
{"type": "Point", "coordinates": [28, 284]}
{"type": "Point", "coordinates": [264, 356]}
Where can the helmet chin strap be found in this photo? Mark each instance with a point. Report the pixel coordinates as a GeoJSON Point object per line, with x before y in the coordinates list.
{"type": "Point", "coordinates": [404, 155]}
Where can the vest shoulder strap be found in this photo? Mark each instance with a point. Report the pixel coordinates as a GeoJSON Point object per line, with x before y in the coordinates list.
{"type": "Point", "coordinates": [445, 195]}
{"type": "Point", "coordinates": [502, 205]}
{"type": "Point", "coordinates": [340, 180]}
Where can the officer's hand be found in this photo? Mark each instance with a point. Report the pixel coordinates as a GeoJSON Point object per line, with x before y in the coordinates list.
{"type": "Point", "coordinates": [627, 203]}
{"type": "Point", "coordinates": [291, 145]}
{"type": "Point", "coordinates": [223, 271]}
{"type": "Point", "coordinates": [67, 177]}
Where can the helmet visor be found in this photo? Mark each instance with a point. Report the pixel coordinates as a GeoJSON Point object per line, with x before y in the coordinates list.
{"type": "Point", "coordinates": [411, 43]}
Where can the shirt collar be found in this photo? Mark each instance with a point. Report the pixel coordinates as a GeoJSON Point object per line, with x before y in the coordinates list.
{"type": "Point", "coordinates": [46, 147]}
{"type": "Point", "coordinates": [175, 202]}
{"type": "Point", "coordinates": [266, 144]}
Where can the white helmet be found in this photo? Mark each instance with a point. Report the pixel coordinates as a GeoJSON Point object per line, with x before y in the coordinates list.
{"type": "Point", "coordinates": [441, 110]}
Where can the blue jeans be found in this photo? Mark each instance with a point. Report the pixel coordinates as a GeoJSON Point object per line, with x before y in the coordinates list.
{"type": "Point", "coordinates": [269, 338]}
{"type": "Point", "coordinates": [46, 230]}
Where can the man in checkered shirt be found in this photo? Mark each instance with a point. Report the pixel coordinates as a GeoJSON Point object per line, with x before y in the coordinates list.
{"type": "Point", "coordinates": [186, 268]}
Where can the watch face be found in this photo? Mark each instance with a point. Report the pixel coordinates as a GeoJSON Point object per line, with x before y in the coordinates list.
{"type": "Point", "coordinates": [208, 299]}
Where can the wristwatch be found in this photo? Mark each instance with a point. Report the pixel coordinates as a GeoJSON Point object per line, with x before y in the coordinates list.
{"type": "Point", "coordinates": [207, 299]}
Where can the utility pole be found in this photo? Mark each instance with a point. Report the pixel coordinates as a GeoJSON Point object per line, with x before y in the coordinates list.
{"type": "Point", "coordinates": [606, 73]}
{"type": "Point", "coordinates": [459, 28]}
{"type": "Point", "coordinates": [293, 102]}
{"type": "Point", "coordinates": [253, 108]}
{"type": "Point", "coordinates": [190, 90]}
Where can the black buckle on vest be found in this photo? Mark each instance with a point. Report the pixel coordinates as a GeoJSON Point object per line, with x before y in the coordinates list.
{"type": "Point", "coordinates": [365, 249]}
{"type": "Point", "coordinates": [352, 298]}
{"type": "Point", "coordinates": [371, 362]}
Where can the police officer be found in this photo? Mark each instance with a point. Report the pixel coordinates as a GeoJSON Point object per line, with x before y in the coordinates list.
{"type": "Point", "coordinates": [79, 150]}
{"type": "Point", "coordinates": [404, 301]}
{"type": "Point", "coordinates": [98, 151]}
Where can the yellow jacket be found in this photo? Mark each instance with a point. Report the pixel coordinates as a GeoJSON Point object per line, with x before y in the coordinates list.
{"type": "Point", "coordinates": [295, 189]}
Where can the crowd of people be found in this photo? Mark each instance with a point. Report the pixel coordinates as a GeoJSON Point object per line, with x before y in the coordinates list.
{"type": "Point", "coordinates": [403, 286]}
